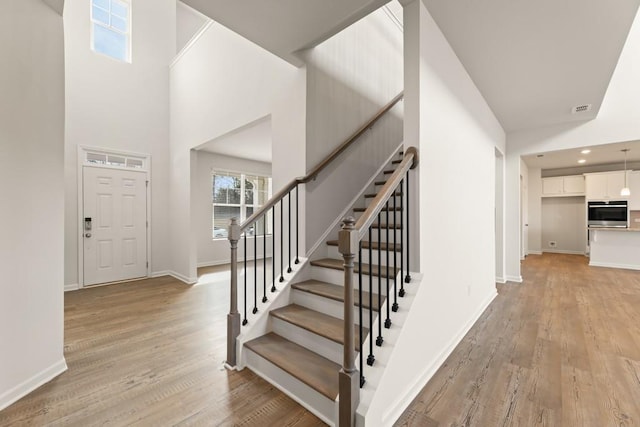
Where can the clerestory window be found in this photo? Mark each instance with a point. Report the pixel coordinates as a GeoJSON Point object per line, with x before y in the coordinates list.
{"type": "Point", "coordinates": [111, 28]}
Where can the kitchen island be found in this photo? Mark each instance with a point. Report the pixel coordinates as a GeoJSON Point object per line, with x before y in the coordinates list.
{"type": "Point", "coordinates": [615, 247]}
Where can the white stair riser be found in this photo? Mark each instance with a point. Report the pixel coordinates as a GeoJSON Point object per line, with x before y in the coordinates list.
{"type": "Point", "coordinates": [333, 253]}
{"type": "Point", "coordinates": [316, 343]}
{"type": "Point", "coordinates": [383, 235]}
{"type": "Point", "coordinates": [336, 277]}
{"type": "Point", "coordinates": [315, 402]}
{"type": "Point", "coordinates": [330, 307]}
{"type": "Point", "coordinates": [383, 218]}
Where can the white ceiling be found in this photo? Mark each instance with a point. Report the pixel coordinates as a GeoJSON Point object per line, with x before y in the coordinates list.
{"type": "Point", "coordinates": [535, 60]}
{"type": "Point", "coordinates": [600, 154]}
{"type": "Point", "coordinates": [284, 27]}
{"type": "Point", "coordinates": [252, 142]}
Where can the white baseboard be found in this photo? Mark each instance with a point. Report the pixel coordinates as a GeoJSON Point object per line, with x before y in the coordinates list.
{"type": "Point", "coordinates": [562, 251]}
{"type": "Point", "coordinates": [400, 404]}
{"type": "Point", "coordinates": [614, 265]}
{"type": "Point", "coordinates": [71, 287]}
{"type": "Point", "coordinates": [500, 280]}
{"type": "Point", "coordinates": [225, 261]}
{"type": "Point", "coordinates": [517, 279]}
{"type": "Point", "coordinates": [16, 393]}
{"type": "Point", "coordinates": [534, 253]}
{"type": "Point", "coordinates": [185, 279]}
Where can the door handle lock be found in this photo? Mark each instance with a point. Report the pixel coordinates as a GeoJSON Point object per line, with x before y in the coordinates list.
{"type": "Point", "coordinates": [87, 235]}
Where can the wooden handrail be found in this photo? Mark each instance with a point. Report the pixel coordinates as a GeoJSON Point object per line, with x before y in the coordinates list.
{"type": "Point", "coordinates": [321, 166]}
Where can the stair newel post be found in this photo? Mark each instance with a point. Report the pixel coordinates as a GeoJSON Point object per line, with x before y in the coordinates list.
{"type": "Point", "coordinates": [233, 318]}
{"type": "Point", "coordinates": [349, 377]}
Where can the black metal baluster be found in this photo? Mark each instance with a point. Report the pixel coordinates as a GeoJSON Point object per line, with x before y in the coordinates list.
{"type": "Point", "coordinates": [245, 321]}
{"type": "Point", "coordinates": [387, 322]}
{"type": "Point", "coordinates": [273, 249]}
{"type": "Point", "coordinates": [370, 358]}
{"type": "Point", "coordinates": [360, 302]}
{"type": "Point", "coordinates": [407, 279]}
{"type": "Point", "coordinates": [401, 293]}
{"type": "Point", "coordinates": [289, 270]}
{"type": "Point", "coordinates": [297, 229]}
{"type": "Point", "coordinates": [255, 267]}
{"type": "Point", "coordinates": [395, 256]}
{"type": "Point", "coordinates": [379, 340]}
{"type": "Point", "coordinates": [264, 260]}
{"type": "Point", "coordinates": [281, 245]}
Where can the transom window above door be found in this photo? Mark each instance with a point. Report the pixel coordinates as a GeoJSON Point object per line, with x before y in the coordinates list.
{"type": "Point", "coordinates": [111, 28]}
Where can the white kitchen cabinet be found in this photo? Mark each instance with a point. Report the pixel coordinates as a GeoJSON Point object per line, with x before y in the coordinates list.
{"type": "Point", "coordinates": [573, 184]}
{"type": "Point", "coordinates": [604, 186]}
{"type": "Point", "coordinates": [553, 186]}
{"type": "Point", "coordinates": [559, 186]}
{"type": "Point", "coordinates": [634, 187]}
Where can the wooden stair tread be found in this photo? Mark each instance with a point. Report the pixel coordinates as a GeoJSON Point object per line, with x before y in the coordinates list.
{"type": "Point", "coordinates": [337, 264]}
{"type": "Point", "coordinates": [374, 245]}
{"type": "Point", "coordinates": [317, 372]}
{"type": "Point", "coordinates": [336, 293]}
{"type": "Point", "coordinates": [383, 226]}
{"type": "Point", "coordinates": [318, 323]}
{"type": "Point", "coordinates": [389, 172]}
{"type": "Point", "coordinates": [380, 182]}
{"type": "Point", "coordinates": [396, 162]}
{"type": "Point", "coordinates": [372, 195]}
{"type": "Point", "coordinates": [398, 209]}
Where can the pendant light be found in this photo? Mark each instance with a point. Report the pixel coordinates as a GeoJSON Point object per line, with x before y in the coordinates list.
{"type": "Point", "coordinates": [625, 191]}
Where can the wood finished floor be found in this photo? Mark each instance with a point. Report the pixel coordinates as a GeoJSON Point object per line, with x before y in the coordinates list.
{"type": "Point", "coordinates": [561, 349]}
{"type": "Point", "coordinates": [150, 353]}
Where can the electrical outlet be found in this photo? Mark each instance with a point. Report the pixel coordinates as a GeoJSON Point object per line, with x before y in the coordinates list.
{"type": "Point", "coordinates": [553, 243]}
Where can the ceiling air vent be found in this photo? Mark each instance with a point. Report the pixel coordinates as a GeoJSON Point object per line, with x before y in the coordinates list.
{"type": "Point", "coordinates": [581, 108]}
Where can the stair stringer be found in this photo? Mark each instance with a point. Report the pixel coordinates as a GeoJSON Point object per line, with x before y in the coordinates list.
{"type": "Point", "coordinates": [392, 383]}
{"type": "Point", "coordinates": [259, 323]}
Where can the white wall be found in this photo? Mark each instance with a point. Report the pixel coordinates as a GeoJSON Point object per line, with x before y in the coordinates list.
{"type": "Point", "coordinates": [188, 23]}
{"type": "Point", "coordinates": [617, 121]}
{"type": "Point", "coordinates": [499, 209]}
{"type": "Point", "coordinates": [216, 251]}
{"type": "Point", "coordinates": [349, 78]}
{"type": "Point", "coordinates": [524, 209]}
{"type": "Point", "coordinates": [534, 211]}
{"type": "Point", "coordinates": [564, 221]}
{"type": "Point", "coordinates": [457, 134]}
{"type": "Point", "coordinates": [32, 188]}
{"type": "Point", "coordinates": [220, 84]}
{"type": "Point", "coordinates": [120, 106]}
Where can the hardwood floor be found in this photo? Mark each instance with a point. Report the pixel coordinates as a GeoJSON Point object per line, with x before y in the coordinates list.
{"type": "Point", "coordinates": [150, 353]}
{"type": "Point", "coordinates": [560, 349]}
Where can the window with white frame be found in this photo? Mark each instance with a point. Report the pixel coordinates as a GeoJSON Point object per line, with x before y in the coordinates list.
{"type": "Point", "coordinates": [111, 28]}
{"type": "Point", "coordinates": [239, 195]}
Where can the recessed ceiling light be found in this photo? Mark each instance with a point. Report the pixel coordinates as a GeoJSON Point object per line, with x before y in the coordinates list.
{"type": "Point", "coordinates": [581, 161]}
{"type": "Point", "coordinates": [585, 151]}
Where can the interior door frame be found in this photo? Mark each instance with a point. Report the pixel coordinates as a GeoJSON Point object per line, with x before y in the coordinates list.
{"type": "Point", "coordinates": [83, 150]}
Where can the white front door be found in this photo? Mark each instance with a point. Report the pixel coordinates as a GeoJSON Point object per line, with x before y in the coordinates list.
{"type": "Point", "coordinates": [114, 225]}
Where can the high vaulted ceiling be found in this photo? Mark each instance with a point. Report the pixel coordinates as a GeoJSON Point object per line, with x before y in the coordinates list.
{"type": "Point", "coordinates": [535, 60]}
{"type": "Point", "coordinates": [284, 27]}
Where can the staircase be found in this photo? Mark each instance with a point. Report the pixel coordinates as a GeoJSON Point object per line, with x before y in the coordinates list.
{"type": "Point", "coordinates": [304, 349]}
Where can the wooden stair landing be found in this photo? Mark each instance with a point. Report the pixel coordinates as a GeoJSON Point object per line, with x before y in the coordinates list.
{"type": "Point", "coordinates": [336, 293]}
{"type": "Point", "coordinates": [318, 323]}
{"type": "Point", "coordinates": [317, 372]}
{"type": "Point", "coordinates": [337, 264]}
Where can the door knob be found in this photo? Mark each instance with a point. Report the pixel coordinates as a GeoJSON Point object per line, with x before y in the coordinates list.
{"type": "Point", "coordinates": [87, 235]}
